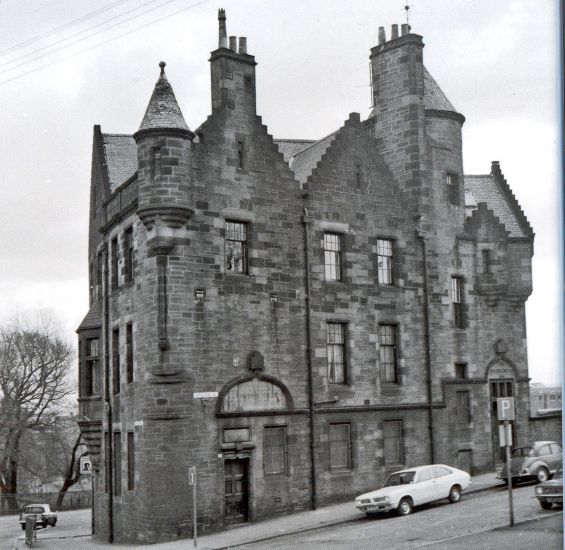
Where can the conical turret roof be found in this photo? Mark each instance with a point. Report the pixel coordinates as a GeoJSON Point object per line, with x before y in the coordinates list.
{"type": "Point", "coordinates": [163, 111]}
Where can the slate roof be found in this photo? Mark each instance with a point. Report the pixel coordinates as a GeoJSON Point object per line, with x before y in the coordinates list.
{"type": "Point", "coordinates": [92, 319]}
{"type": "Point", "coordinates": [303, 162]}
{"type": "Point", "coordinates": [485, 188]}
{"type": "Point", "coordinates": [163, 110]}
{"type": "Point", "coordinates": [434, 98]}
{"type": "Point", "coordinates": [121, 158]}
{"type": "Point", "coordinates": [289, 147]}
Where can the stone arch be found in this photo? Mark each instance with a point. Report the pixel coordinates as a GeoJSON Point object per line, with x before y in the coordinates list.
{"type": "Point", "coordinates": [505, 365]}
{"type": "Point", "coordinates": [261, 383]}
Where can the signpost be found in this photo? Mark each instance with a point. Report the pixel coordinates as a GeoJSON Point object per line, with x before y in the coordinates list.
{"type": "Point", "coordinates": [192, 481]}
{"type": "Point", "coordinates": [85, 468]}
{"type": "Point", "coordinates": [505, 407]}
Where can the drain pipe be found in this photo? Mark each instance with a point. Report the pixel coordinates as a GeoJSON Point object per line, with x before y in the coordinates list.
{"type": "Point", "coordinates": [108, 405]}
{"type": "Point", "coordinates": [314, 503]}
{"type": "Point", "coordinates": [421, 236]}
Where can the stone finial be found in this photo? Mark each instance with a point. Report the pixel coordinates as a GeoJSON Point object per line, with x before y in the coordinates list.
{"type": "Point", "coordinates": [222, 37]}
{"type": "Point", "coordinates": [162, 64]}
{"type": "Point", "coordinates": [233, 43]}
{"type": "Point", "coordinates": [405, 29]}
{"type": "Point", "coordinates": [394, 32]}
{"type": "Point", "coordinates": [382, 35]}
{"type": "Point", "coordinates": [242, 44]}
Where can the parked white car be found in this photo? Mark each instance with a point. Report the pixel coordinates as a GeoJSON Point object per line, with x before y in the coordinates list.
{"type": "Point", "coordinates": [42, 514]}
{"type": "Point", "coordinates": [414, 486]}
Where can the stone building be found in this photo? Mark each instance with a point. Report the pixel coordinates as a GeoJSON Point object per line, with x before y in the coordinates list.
{"type": "Point", "coordinates": [294, 318]}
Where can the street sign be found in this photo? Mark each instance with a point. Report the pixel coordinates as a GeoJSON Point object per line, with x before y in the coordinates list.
{"type": "Point", "coordinates": [505, 406]}
{"type": "Point", "coordinates": [192, 475]}
{"type": "Point", "coordinates": [85, 465]}
{"type": "Point", "coordinates": [505, 434]}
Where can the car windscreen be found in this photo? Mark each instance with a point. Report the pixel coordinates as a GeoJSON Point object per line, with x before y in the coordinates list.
{"type": "Point", "coordinates": [401, 478]}
{"type": "Point", "coordinates": [34, 510]}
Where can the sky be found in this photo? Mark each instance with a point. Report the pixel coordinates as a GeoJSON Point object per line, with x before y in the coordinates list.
{"type": "Point", "coordinates": [66, 65]}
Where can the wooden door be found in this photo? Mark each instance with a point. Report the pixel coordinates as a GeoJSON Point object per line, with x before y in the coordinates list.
{"type": "Point", "coordinates": [236, 495]}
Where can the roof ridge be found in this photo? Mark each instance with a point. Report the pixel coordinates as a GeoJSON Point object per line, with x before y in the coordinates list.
{"type": "Point", "coordinates": [316, 142]}
{"type": "Point", "coordinates": [294, 140]}
{"type": "Point", "coordinates": [117, 135]}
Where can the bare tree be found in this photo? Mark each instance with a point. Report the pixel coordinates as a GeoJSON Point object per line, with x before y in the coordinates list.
{"type": "Point", "coordinates": [34, 367]}
{"type": "Point", "coordinates": [71, 474]}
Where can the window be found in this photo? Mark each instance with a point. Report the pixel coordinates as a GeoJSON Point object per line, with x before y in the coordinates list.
{"type": "Point", "coordinates": [156, 162]}
{"type": "Point", "coordinates": [116, 361]}
{"type": "Point", "coordinates": [128, 255]}
{"type": "Point", "coordinates": [117, 464]}
{"type": "Point", "coordinates": [452, 184]}
{"type": "Point", "coordinates": [236, 246]}
{"type": "Point", "coordinates": [393, 438]}
{"type": "Point", "coordinates": [384, 262]}
{"type": "Point", "coordinates": [424, 475]}
{"type": "Point", "coordinates": [460, 370]}
{"type": "Point", "coordinates": [340, 446]}
{"type": "Point", "coordinates": [335, 347]}
{"type": "Point", "coordinates": [387, 353]}
{"type": "Point", "coordinates": [99, 263]}
{"type": "Point", "coordinates": [457, 301]}
{"type": "Point", "coordinates": [131, 461]}
{"type": "Point", "coordinates": [92, 367]}
{"type": "Point", "coordinates": [240, 155]}
{"type": "Point", "coordinates": [332, 256]}
{"type": "Point", "coordinates": [114, 266]}
{"type": "Point", "coordinates": [486, 257]}
{"type": "Point", "coordinates": [274, 450]}
{"type": "Point", "coordinates": [440, 471]}
{"type": "Point", "coordinates": [463, 407]}
{"type": "Point", "coordinates": [91, 281]}
{"type": "Point", "coordinates": [129, 353]}
{"type": "Point", "coordinates": [358, 176]}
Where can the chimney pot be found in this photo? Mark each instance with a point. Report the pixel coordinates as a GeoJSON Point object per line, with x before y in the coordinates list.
{"type": "Point", "coordinates": [405, 29]}
{"type": "Point", "coordinates": [382, 35]}
{"type": "Point", "coordinates": [242, 44]}
{"type": "Point", "coordinates": [394, 32]}
{"type": "Point", "coordinates": [222, 35]}
{"type": "Point", "coordinates": [233, 43]}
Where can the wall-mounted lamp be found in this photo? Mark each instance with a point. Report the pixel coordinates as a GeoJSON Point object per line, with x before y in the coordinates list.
{"type": "Point", "coordinates": [274, 298]}
{"type": "Point", "coordinates": [200, 294]}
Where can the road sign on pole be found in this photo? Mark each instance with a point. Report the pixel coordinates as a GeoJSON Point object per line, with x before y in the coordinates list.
{"type": "Point", "coordinates": [505, 434]}
{"type": "Point", "coordinates": [507, 429]}
{"type": "Point", "coordinates": [505, 407]}
{"type": "Point", "coordinates": [85, 465]}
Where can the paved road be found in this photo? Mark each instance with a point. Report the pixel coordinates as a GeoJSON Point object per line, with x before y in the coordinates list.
{"type": "Point", "coordinates": [72, 523]}
{"type": "Point", "coordinates": [427, 527]}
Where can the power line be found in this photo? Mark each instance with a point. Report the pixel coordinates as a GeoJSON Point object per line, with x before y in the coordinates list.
{"type": "Point", "coordinates": [61, 28]}
{"type": "Point", "coordinates": [48, 47]}
{"type": "Point", "coordinates": [104, 42]}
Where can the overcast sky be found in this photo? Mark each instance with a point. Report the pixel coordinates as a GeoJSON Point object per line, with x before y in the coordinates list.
{"type": "Point", "coordinates": [496, 61]}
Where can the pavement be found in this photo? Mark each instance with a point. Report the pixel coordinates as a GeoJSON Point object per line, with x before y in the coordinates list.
{"type": "Point", "coordinates": [334, 514]}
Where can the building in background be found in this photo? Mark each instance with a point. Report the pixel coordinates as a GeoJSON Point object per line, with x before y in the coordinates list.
{"type": "Point", "coordinates": [545, 399]}
{"type": "Point", "coordinates": [294, 318]}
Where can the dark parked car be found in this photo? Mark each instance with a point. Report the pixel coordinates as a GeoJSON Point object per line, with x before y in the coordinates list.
{"type": "Point", "coordinates": [540, 462]}
{"type": "Point", "coordinates": [551, 492]}
{"type": "Point", "coordinates": [43, 515]}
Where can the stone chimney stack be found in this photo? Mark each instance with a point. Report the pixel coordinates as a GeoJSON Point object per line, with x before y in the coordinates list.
{"type": "Point", "coordinates": [223, 37]}
{"type": "Point", "coordinates": [394, 32]}
{"type": "Point", "coordinates": [233, 75]}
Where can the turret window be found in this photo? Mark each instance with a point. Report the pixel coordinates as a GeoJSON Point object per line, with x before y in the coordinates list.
{"type": "Point", "coordinates": [156, 162]}
{"type": "Point", "coordinates": [332, 256]}
{"type": "Point", "coordinates": [92, 380]}
{"type": "Point", "coordinates": [457, 301]}
{"type": "Point", "coordinates": [452, 184]}
{"type": "Point", "coordinates": [236, 246]}
{"type": "Point", "coordinates": [128, 255]}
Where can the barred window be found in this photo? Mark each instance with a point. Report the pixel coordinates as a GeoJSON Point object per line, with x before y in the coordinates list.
{"type": "Point", "coordinates": [457, 301]}
{"type": "Point", "coordinates": [393, 438]}
{"type": "Point", "coordinates": [385, 262]}
{"type": "Point", "coordinates": [340, 446]}
{"type": "Point", "coordinates": [236, 246]}
{"type": "Point", "coordinates": [463, 407]}
{"type": "Point", "coordinates": [388, 353]}
{"type": "Point", "coordinates": [274, 450]}
{"type": "Point", "coordinates": [452, 184]}
{"type": "Point", "coordinates": [332, 256]}
{"type": "Point", "coordinates": [335, 347]}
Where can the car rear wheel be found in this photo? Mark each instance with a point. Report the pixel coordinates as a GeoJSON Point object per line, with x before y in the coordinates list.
{"type": "Point", "coordinates": [542, 474]}
{"type": "Point", "coordinates": [454, 494]}
{"type": "Point", "coordinates": [405, 506]}
{"type": "Point", "coordinates": [545, 505]}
